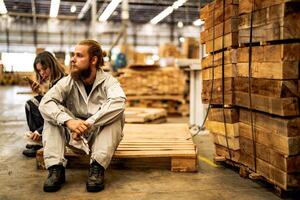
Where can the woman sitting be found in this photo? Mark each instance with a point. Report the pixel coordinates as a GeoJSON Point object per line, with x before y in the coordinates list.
{"type": "Point", "coordinates": [48, 72]}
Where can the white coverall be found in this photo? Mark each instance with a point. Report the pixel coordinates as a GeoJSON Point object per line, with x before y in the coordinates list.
{"type": "Point", "coordinates": [103, 108]}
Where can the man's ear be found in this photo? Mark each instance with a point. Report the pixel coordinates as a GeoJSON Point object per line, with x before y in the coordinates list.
{"type": "Point", "coordinates": [94, 60]}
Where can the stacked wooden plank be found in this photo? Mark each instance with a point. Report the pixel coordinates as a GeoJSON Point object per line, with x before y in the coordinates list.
{"type": "Point", "coordinates": [216, 19]}
{"type": "Point", "coordinates": [277, 147]}
{"type": "Point", "coordinates": [145, 115]}
{"type": "Point", "coordinates": [146, 146]}
{"type": "Point", "coordinates": [224, 126]}
{"type": "Point", "coordinates": [171, 81]}
{"type": "Point", "coordinates": [212, 76]}
{"type": "Point", "coordinates": [218, 72]}
{"type": "Point", "coordinates": [156, 87]}
{"type": "Point", "coordinates": [270, 142]}
{"type": "Point", "coordinates": [272, 20]}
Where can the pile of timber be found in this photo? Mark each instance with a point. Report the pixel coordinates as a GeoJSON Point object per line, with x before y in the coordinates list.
{"type": "Point", "coordinates": [221, 25]}
{"type": "Point", "coordinates": [156, 88]}
{"type": "Point", "coordinates": [224, 127]}
{"type": "Point", "coordinates": [212, 76]}
{"type": "Point", "coordinates": [271, 20]}
{"type": "Point", "coordinates": [162, 146]}
{"type": "Point", "coordinates": [269, 143]}
{"type": "Point", "coordinates": [153, 81]}
{"type": "Point", "coordinates": [145, 115]}
{"type": "Point", "coordinates": [272, 150]}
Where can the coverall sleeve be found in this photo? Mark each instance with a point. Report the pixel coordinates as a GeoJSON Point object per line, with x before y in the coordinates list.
{"type": "Point", "coordinates": [52, 104]}
{"type": "Point", "coordinates": [112, 108]}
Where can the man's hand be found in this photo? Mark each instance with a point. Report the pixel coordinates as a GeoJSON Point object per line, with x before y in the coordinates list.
{"type": "Point", "coordinates": [78, 127]}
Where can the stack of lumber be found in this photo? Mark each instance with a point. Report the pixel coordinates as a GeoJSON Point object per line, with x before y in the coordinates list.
{"type": "Point", "coordinates": [145, 146]}
{"type": "Point", "coordinates": [216, 18]}
{"type": "Point", "coordinates": [212, 76]}
{"type": "Point", "coordinates": [168, 50]}
{"type": "Point", "coordinates": [156, 88]}
{"type": "Point", "coordinates": [277, 147]}
{"type": "Point", "coordinates": [272, 20]}
{"type": "Point", "coordinates": [218, 72]}
{"type": "Point", "coordinates": [145, 115]}
{"type": "Point", "coordinates": [190, 48]}
{"type": "Point", "coordinates": [270, 142]}
{"type": "Point", "coordinates": [157, 81]}
{"type": "Point", "coordinates": [223, 124]}
{"type": "Point", "coordinates": [275, 79]}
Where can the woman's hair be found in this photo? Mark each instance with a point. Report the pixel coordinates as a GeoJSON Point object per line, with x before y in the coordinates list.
{"type": "Point", "coordinates": [46, 59]}
{"type": "Point", "coordinates": [94, 50]}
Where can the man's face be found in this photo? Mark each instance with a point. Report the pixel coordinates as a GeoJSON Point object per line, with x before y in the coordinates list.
{"type": "Point", "coordinates": [80, 62]}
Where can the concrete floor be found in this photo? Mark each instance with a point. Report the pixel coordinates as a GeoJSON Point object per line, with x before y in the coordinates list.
{"type": "Point", "coordinates": [19, 178]}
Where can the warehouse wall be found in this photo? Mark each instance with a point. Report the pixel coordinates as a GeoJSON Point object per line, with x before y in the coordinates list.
{"type": "Point", "coordinates": [17, 34]}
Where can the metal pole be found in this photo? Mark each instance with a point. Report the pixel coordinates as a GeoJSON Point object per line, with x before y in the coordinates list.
{"type": "Point", "coordinates": [94, 19]}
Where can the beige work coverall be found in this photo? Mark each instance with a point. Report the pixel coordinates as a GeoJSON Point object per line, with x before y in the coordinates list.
{"type": "Point", "coordinates": [103, 108]}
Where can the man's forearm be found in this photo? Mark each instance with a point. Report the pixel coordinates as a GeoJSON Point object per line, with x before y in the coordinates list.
{"type": "Point", "coordinates": [109, 112]}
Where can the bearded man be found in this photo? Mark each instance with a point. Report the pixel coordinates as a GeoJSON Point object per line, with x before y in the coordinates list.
{"type": "Point", "coordinates": [84, 110]}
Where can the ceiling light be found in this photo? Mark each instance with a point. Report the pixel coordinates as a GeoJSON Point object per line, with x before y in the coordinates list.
{"type": "Point", "coordinates": [162, 15]}
{"type": "Point", "coordinates": [73, 8]}
{"type": "Point", "coordinates": [54, 8]}
{"type": "Point", "coordinates": [3, 9]}
{"type": "Point", "coordinates": [180, 24]}
{"type": "Point", "coordinates": [181, 39]}
{"type": "Point", "coordinates": [84, 9]}
{"type": "Point", "coordinates": [198, 22]}
{"type": "Point", "coordinates": [167, 11]}
{"type": "Point", "coordinates": [109, 10]}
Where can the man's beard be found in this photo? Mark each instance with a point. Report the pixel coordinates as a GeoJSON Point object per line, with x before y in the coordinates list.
{"type": "Point", "coordinates": [81, 74]}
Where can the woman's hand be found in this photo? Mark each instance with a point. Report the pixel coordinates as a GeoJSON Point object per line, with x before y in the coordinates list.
{"type": "Point", "coordinates": [36, 87]}
{"type": "Point", "coordinates": [35, 136]}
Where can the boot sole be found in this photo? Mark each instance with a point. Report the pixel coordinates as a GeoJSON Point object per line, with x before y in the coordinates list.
{"type": "Point", "coordinates": [52, 188]}
{"type": "Point", "coordinates": [97, 188]}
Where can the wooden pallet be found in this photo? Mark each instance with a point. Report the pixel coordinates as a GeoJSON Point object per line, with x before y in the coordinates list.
{"type": "Point", "coordinates": [147, 146]}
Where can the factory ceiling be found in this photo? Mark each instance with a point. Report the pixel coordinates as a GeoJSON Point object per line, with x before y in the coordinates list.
{"type": "Point", "coordinates": [140, 11]}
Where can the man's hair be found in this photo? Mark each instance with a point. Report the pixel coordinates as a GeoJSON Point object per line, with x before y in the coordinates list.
{"type": "Point", "coordinates": [47, 60]}
{"type": "Point", "coordinates": [94, 50]}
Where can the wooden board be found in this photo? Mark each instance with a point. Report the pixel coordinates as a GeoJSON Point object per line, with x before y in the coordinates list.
{"type": "Point", "coordinates": [277, 106]}
{"type": "Point", "coordinates": [215, 5]}
{"type": "Point", "coordinates": [232, 130]}
{"type": "Point", "coordinates": [289, 164]}
{"type": "Point", "coordinates": [230, 41]}
{"type": "Point", "coordinates": [272, 174]}
{"type": "Point", "coordinates": [230, 57]}
{"type": "Point", "coordinates": [270, 53]}
{"type": "Point", "coordinates": [143, 115]}
{"type": "Point", "coordinates": [233, 143]}
{"type": "Point", "coordinates": [278, 22]}
{"type": "Point", "coordinates": [231, 25]}
{"type": "Point", "coordinates": [282, 144]}
{"type": "Point", "coordinates": [216, 97]}
{"type": "Point", "coordinates": [224, 152]}
{"type": "Point", "coordinates": [160, 142]}
{"type": "Point", "coordinates": [268, 87]}
{"type": "Point", "coordinates": [270, 70]}
{"type": "Point", "coordinates": [231, 115]}
{"type": "Point", "coordinates": [230, 11]}
{"type": "Point", "coordinates": [288, 127]}
{"type": "Point", "coordinates": [230, 71]}
{"type": "Point", "coordinates": [245, 6]}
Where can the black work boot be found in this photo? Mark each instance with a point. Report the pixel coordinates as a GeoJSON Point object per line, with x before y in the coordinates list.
{"type": "Point", "coordinates": [95, 182]}
{"type": "Point", "coordinates": [55, 178]}
{"type": "Point", "coordinates": [31, 150]}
